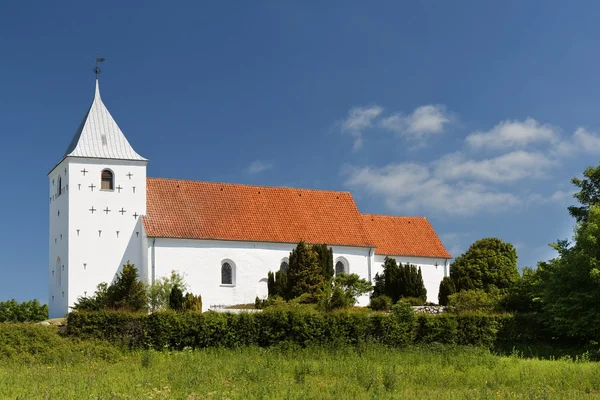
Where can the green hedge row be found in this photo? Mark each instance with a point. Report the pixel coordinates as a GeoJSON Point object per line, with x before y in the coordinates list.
{"type": "Point", "coordinates": [303, 327]}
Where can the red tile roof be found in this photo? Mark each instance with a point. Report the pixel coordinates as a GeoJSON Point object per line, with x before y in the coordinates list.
{"type": "Point", "coordinates": [207, 210]}
{"type": "Point", "coordinates": [224, 211]}
{"type": "Point", "coordinates": [404, 236]}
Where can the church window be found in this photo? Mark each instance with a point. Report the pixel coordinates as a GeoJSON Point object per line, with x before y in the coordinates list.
{"type": "Point", "coordinates": [59, 188]}
{"type": "Point", "coordinates": [341, 266]}
{"type": "Point", "coordinates": [227, 273]}
{"type": "Point", "coordinates": [107, 180]}
{"type": "Point", "coordinates": [285, 264]}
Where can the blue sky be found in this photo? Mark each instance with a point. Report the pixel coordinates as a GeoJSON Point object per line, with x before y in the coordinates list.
{"type": "Point", "coordinates": [474, 114]}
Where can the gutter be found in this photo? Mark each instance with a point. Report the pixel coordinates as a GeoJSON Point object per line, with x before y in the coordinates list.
{"type": "Point", "coordinates": [153, 259]}
{"type": "Point", "coordinates": [369, 263]}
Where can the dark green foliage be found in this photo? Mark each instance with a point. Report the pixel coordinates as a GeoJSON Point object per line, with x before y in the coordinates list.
{"type": "Point", "coordinates": [525, 295]}
{"type": "Point", "coordinates": [398, 280]}
{"type": "Point", "coordinates": [589, 193]}
{"type": "Point", "coordinates": [176, 299]}
{"type": "Point", "coordinates": [487, 263]}
{"type": "Point", "coordinates": [342, 291]}
{"type": "Point", "coordinates": [474, 300]}
{"type": "Point", "coordinates": [325, 255]}
{"type": "Point", "coordinates": [439, 329]}
{"type": "Point", "coordinates": [97, 302]}
{"type": "Point", "coordinates": [126, 293]}
{"type": "Point", "coordinates": [271, 284]}
{"type": "Point", "coordinates": [304, 274]}
{"type": "Point", "coordinates": [304, 326]}
{"type": "Point", "coordinates": [446, 289]}
{"type": "Point", "coordinates": [569, 285]}
{"type": "Point", "coordinates": [27, 311]}
{"type": "Point", "coordinates": [381, 303]}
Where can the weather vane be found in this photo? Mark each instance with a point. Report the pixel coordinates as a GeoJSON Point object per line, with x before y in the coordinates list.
{"type": "Point", "coordinates": [97, 69]}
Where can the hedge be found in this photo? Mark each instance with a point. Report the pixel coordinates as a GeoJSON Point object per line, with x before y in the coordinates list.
{"type": "Point", "coordinates": [304, 327]}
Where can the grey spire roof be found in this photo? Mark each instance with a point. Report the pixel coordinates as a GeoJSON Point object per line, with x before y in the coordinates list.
{"type": "Point", "coordinates": [99, 136]}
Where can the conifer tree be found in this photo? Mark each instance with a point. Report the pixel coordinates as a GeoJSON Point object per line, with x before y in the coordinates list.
{"type": "Point", "coordinates": [176, 299]}
{"type": "Point", "coordinates": [325, 260]}
{"type": "Point", "coordinates": [304, 275]}
{"type": "Point", "coordinates": [127, 292]}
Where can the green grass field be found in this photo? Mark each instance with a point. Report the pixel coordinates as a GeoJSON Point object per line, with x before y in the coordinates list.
{"type": "Point", "coordinates": [372, 372]}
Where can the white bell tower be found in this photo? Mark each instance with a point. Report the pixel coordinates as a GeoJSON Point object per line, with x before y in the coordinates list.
{"type": "Point", "coordinates": [97, 198]}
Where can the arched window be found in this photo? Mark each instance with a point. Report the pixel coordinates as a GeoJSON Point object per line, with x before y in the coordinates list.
{"type": "Point", "coordinates": [285, 264]}
{"type": "Point", "coordinates": [227, 273]}
{"type": "Point", "coordinates": [107, 180]}
{"type": "Point", "coordinates": [59, 188]}
{"type": "Point", "coordinates": [341, 266]}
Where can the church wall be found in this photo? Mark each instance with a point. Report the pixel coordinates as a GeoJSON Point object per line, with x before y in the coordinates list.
{"type": "Point", "coordinates": [200, 261]}
{"type": "Point", "coordinates": [58, 240]}
{"type": "Point", "coordinates": [432, 274]}
{"type": "Point", "coordinates": [96, 251]}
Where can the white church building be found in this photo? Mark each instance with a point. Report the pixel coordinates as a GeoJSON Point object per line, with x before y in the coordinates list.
{"type": "Point", "coordinates": [223, 237]}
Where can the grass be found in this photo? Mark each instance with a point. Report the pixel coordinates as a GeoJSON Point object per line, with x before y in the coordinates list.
{"type": "Point", "coordinates": [364, 372]}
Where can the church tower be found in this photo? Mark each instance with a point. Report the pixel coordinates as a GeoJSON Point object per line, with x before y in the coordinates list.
{"type": "Point", "coordinates": [97, 198]}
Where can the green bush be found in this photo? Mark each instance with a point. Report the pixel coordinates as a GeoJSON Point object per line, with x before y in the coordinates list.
{"type": "Point", "coordinates": [32, 343]}
{"type": "Point", "coordinates": [413, 301]}
{"type": "Point", "coordinates": [27, 311]}
{"type": "Point", "coordinates": [381, 303]}
{"type": "Point", "coordinates": [474, 300]}
{"type": "Point", "coordinates": [301, 325]}
{"type": "Point", "coordinates": [437, 328]}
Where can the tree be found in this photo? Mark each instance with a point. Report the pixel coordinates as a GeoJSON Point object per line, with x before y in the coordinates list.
{"type": "Point", "coordinates": [588, 195]}
{"type": "Point", "coordinates": [325, 256]}
{"type": "Point", "coordinates": [447, 288]}
{"type": "Point", "coordinates": [96, 302]}
{"type": "Point", "coordinates": [304, 275]}
{"type": "Point", "coordinates": [176, 299]}
{"type": "Point", "coordinates": [127, 292]}
{"type": "Point", "coordinates": [570, 283]}
{"type": "Point", "coordinates": [27, 311]}
{"type": "Point", "coordinates": [487, 263]}
{"type": "Point", "coordinates": [525, 295]}
{"type": "Point", "coordinates": [342, 291]}
{"type": "Point", "coordinates": [160, 290]}
{"type": "Point", "coordinates": [399, 280]}
{"type": "Point", "coordinates": [192, 303]}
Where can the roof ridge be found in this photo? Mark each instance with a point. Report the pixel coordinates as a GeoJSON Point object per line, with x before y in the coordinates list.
{"type": "Point", "coordinates": [394, 216]}
{"type": "Point", "coordinates": [252, 185]}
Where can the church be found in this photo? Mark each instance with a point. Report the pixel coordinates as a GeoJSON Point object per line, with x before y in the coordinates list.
{"type": "Point", "coordinates": [223, 237]}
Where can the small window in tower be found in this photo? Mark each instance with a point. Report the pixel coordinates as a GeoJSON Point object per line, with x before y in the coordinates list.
{"type": "Point", "coordinates": [107, 180]}
{"type": "Point", "coordinates": [59, 188]}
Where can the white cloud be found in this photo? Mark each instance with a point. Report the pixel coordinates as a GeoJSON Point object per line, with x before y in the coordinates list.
{"type": "Point", "coordinates": [559, 196]}
{"type": "Point", "coordinates": [581, 142]}
{"type": "Point", "coordinates": [359, 119]}
{"type": "Point", "coordinates": [509, 167]}
{"type": "Point", "coordinates": [425, 120]}
{"type": "Point", "coordinates": [511, 133]}
{"type": "Point", "coordinates": [412, 188]}
{"type": "Point", "coordinates": [258, 166]}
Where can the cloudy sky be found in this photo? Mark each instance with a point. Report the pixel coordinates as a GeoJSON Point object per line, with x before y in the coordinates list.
{"type": "Point", "coordinates": [473, 114]}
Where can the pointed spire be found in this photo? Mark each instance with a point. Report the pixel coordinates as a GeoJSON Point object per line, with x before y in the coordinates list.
{"type": "Point", "coordinates": [99, 136]}
{"type": "Point", "coordinates": [97, 94]}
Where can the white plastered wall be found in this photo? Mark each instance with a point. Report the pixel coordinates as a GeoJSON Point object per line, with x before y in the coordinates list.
{"type": "Point", "coordinates": [95, 251]}
{"type": "Point", "coordinates": [200, 263]}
